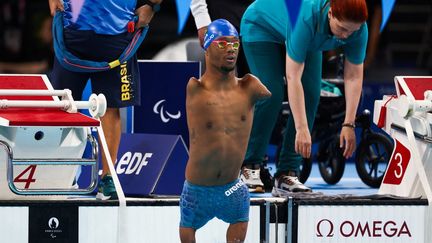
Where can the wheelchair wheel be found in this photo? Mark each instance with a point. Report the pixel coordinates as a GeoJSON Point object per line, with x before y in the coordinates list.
{"type": "Point", "coordinates": [305, 169]}
{"type": "Point", "coordinates": [333, 165]}
{"type": "Point", "coordinates": [372, 157]}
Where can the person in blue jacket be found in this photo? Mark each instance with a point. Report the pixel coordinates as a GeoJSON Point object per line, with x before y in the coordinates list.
{"type": "Point", "coordinates": [98, 31]}
{"type": "Point", "coordinates": [275, 50]}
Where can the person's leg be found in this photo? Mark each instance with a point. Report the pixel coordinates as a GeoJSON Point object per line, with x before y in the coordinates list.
{"type": "Point", "coordinates": [111, 125]}
{"type": "Point", "coordinates": [121, 87]}
{"type": "Point", "coordinates": [266, 61]}
{"type": "Point", "coordinates": [233, 208]}
{"type": "Point", "coordinates": [187, 235]}
{"type": "Point", "coordinates": [289, 160]}
{"type": "Point", "coordinates": [236, 232]}
{"type": "Point", "coordinates": [196, 204]}
{"type": "Point", "coordinates": [62, 78]}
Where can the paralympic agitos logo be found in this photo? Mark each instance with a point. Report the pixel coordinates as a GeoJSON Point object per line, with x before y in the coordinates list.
{"type": "Point", "coordinates": [361, 229]}
{"type": "Point", "coordinates": [165, 116]}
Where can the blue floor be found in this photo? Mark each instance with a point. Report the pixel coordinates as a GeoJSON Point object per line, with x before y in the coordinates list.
{"type": "Point", "coordinates": [349, 184]}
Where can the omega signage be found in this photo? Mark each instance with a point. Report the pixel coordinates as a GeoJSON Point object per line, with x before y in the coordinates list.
{"type": "Point", "coordinates": [357, 229]}
{"type": "Point", "coordinates": [361, 223]}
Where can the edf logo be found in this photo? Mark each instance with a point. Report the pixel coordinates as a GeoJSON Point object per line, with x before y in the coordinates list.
{"type": "Point", "coordinates": [132, 162]}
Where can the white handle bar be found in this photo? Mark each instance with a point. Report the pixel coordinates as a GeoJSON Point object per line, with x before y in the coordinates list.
{"type": "Point", "coordinates": [96, 104]}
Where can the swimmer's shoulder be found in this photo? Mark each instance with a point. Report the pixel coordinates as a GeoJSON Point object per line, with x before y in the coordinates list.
{"type": "Point", "coordinates": [193, 85]}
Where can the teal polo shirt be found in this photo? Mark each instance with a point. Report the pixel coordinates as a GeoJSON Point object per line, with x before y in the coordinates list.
{"type": "Point", "coordinates": [267, 20]}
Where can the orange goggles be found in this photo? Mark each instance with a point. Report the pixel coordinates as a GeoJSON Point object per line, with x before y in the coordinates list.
{"type": "Point", "coordinates": [222, 44]}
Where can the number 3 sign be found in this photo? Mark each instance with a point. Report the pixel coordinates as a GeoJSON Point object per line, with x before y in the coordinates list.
{"type": "Point", "coordinates": [397, 165]}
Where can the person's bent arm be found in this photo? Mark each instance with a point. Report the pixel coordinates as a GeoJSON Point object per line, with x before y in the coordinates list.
{"type": "Point", "coordinates": [353, 79]}
{"type": "Point", "coordinates": [258, 90]}
{"type": "Point", "coordinates": [145, 13]}
{"type": "Point", "coordinates": [202, 18]}
{"type": "Point", "coordinates": [303, 141]}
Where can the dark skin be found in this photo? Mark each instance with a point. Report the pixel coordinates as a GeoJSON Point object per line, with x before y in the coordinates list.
{"type": "Point", "coordinates": [219, 111]}
{"type": "Point", "coordinates": [219, 139]}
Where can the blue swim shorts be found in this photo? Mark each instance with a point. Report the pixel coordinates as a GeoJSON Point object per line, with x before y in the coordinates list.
{"type": "Point", "coordinates": [199, 204]}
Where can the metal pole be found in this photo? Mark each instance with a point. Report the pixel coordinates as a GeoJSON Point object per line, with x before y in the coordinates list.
{"type": "Point", "coordinates": [289, 223]}
{"type": "Point", "coordinates": [277, 223]}
{"type": "Point", "coordinates": [267, 222]}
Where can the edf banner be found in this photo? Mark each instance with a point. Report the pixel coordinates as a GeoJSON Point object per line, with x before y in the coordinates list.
{"type": "Point", "coordinates": [151, 164]}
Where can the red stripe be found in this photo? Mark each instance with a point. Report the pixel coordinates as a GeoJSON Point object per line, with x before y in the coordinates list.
{"type": "Point", "coordinates": [133, 42]}
{"type": "Point", "coordinates": [85, 67]}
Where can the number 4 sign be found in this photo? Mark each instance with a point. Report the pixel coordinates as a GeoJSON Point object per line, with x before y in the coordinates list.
{"type": "Point", "coordinates": [29, 179]}
{"type": "Point", "coordinates": [397, 165]}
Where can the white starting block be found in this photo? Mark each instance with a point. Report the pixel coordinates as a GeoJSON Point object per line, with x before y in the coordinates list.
{"type": "Point", "coordinates": [407, 117]}
{"type": "Point", "coordinates": [44, 138]}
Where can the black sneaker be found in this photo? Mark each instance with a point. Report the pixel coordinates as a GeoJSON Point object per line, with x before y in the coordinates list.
{"type": "Point", "coordinates": [266, 177]}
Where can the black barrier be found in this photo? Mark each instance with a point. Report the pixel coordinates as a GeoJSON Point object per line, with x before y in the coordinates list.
{"type": "Point", "coordinates": [51, 223]}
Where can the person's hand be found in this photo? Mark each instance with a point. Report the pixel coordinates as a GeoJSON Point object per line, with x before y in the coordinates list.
{"type": "Point", "coordinates": [201, 34]}
{"type": "Point", "coordinates": [303, 142]}
{"type": "Point", "coordinates": [347, 141]}
{"type": "Point", "coordinates": [55, 5]}
{"type": "Point", "coordinates": [145, 14]}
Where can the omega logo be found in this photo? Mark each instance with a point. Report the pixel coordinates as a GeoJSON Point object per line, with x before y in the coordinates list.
{"type": "Point", "coordinates": [375, 228]}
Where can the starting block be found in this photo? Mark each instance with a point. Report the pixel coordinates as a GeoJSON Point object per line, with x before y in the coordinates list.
{"type": "Point", "coordinates": [407, 118]}
{"type": "Point", "coordinates": [43, 138]}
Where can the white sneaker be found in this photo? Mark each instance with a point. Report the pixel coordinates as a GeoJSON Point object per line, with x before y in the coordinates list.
{"type": "Point", "coordinates": [290, 184]}
{"type": "Point", "coordinates": [251, 177]}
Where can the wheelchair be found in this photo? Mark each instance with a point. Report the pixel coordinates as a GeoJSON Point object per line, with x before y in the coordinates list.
{"type": "Point", "coordinates": [372, 153]}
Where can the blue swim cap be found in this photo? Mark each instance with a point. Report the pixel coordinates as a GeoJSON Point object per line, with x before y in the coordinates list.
{"type": "Point", "coordinates": [218, 28]}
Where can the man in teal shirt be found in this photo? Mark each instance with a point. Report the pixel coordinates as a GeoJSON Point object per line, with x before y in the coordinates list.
{"type": "Point", "coordinates": [275, 50]}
